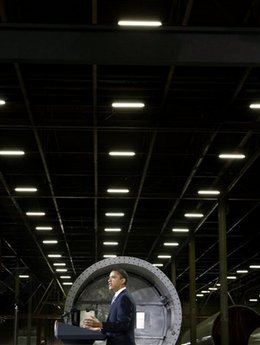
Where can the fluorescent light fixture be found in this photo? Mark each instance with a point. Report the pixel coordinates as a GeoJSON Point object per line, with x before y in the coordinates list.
{"type": "Point", "coordinates": [43, 228]}
{"type": "Point", "coordinates": [180, 230]}
{"type": "Point", "coordinates": [122, 153]}
{"type": "Point", "coordinates": [112, 229]}
{"type": "Point", "coordinates": [199, 295]}
{"type": "Point", "coordinates": [127, 105]}
{"type": "Point", "coordinates": [193, 215]}
{"type": "Point", "coordinates": [114, 190]}
{"type": "Point", "coordinates": [110, 243]}
{"type": "Point", "coordinates": [2, 102]}
{"type": "Point", "coordinates": [59, 264]}
{"type": "Point", "coordinates": [209, 192]}
{"type": "Point", "coordinates": [242, 271]}
{"type": "Point", "coordinates": [115, 214]}
{"type": "Point", "coordinates": [54, 255]}
{"type": "Point", "coordinates": [146, 23]}
{"type": "Point", "coordinates": [231, 156]}
{"type": "Point", "coordinates": [23, 276]}
{"type": "Point", "coordinates": [218, 284]}
{"type": "Point", "coordinates": [158, 265]}
{"type": "Point", "coordinates": [11, 153]}
{"type": "Point", "coordinates": [205, 291]}
{"type": "Point", "coordinates": [65, 277]}
{"type": "Point", "coordinates": [25, 189]}
{"type": "Point", "coordinates": [164, 256]}
{"type": "Point", "coordinates": [61, 270]}
{"type": "Point", "coordinates": [49, 241]}
{"type": "Point", "coordinates": [67, 283]}
{"type": "Point", "coordinates": [254, 266]}
{"type": "Point", "coordinates": [37, 214]}
{"type": "Point", "coordinates": [109, 256]}
{"type": "Point", "coordinates": [213, 289]}
{"type": "Point", "coordinates": [254, 106]}
{"type": "Point", "coordinates": [231, 277]}
{"type": "Point", "coordinates": [253, 299]}
{"type": "Point", "coordinates": [171, 244]}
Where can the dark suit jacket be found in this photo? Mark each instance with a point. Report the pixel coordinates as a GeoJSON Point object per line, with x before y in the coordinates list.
{"type": "Point", "coordinates": [120, 323]}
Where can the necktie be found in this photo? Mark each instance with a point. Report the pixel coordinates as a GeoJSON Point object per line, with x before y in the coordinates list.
{"type": "Point", "coordinates": [113, 299]}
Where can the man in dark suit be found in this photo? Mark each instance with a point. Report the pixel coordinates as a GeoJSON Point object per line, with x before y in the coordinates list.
{"type": "Point", "coordinates": [120, 324]}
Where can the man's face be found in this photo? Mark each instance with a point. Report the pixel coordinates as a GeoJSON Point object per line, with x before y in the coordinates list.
{"type": "Point", "coordinates": [115, 281]}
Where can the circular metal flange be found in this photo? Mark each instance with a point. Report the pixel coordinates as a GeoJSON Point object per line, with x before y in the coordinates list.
{"type": "Point", "coordinates": [145, 270]}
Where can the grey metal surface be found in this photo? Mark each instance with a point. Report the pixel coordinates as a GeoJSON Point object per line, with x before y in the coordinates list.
{"type": "Point", "coordinates": [156, 298]}
{"type": "Point", "coordinates": [167, 46]}
{"type": "Point", "coordinates": [242, 322]}
{"type": "Point", "coordinates": [254, 338]}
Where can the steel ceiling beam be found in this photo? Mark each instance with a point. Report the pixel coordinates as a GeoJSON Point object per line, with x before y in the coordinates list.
{"type": "Point", "coordinates": [108, 45]}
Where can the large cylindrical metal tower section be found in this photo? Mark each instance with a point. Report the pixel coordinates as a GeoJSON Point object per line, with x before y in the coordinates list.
{"type": "Point", "coordinates": [158, 306]}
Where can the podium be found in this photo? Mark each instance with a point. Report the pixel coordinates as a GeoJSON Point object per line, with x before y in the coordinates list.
{"type": "Point", "coordinates": [73, 335]}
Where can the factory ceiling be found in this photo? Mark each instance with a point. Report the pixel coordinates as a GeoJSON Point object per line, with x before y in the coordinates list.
{"type": "Point", "coordinates": [64, 70]}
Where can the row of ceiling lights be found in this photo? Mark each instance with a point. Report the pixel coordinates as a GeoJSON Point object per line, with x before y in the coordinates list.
{"type": "Point", "coordinates": [204, 292]}
{"type": "Point", "coordinates": [108, 214]}
{"type": "Point", "coordinates": [127, 105]}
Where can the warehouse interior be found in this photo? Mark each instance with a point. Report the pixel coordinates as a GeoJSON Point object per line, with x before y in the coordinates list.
{"type": "Point", "coordinates": [133, 141]}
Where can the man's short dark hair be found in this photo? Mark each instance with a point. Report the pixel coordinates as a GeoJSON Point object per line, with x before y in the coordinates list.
{"type": "Point", "coordinates": [122, 273]}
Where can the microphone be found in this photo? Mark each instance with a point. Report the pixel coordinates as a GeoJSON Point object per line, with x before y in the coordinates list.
{"type": "Point", "coordinates": [69, 313]}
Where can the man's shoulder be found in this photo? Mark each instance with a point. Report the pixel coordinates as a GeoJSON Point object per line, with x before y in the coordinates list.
{"type": "Point", "coordinates": [126, 294]}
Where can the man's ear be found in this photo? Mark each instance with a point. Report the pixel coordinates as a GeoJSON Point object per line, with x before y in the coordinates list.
{"type": "Point", "coordinates": [124, 281]}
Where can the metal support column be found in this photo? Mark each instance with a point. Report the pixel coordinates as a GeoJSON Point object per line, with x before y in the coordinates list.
{"type": "Point", "coordinates": [16, 303]}
{"type": "Point", "coordinates": [29, 322]}
{"type": "Point", "coordinates": [173, 273]}
{"type": "Point", "coordinates": [223, 271]}
{"type": "Point", "coordinates": [192, 275]}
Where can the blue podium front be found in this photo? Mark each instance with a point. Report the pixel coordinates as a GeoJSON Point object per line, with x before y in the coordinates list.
{"type": "Point", "coordinates": [74, 335]}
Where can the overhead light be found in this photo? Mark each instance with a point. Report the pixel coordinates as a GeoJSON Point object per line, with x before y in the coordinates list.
{"type": "Point", "coordinates": [209, 192]}
{"type": "Point", "coordinates": [114, 190]}
{"type": "Point", "coordinates": [54, 255]}
{"type": "Point", "coordinates": [25, 189]}
{"type": "Point", "coordinates": [164, 256]}
{"type": "Point", "coordinates": [193, 215]}
{"type": "Point", "coordinates": [158, 265]}
{"type": "Point", "coordinates": [109, 256]}
{"type": "Point", "coordinates": [145, 23]}
{"type": "Point", "coordinates": [67, 283]}
{"type": "Point", "coordinates": [2, 102]}
{"type": "Point", "coordinates": [254, 266]}
{"type": "Point", "coordinates": [59, 264]}
{"type": "Point", "coordinates": [180, 230]}
{"type": "Point", "coordinates": [242, 271]}
{"type": "Point", "coordinates": [199, 295]}
{"type": "Point", "coordinates": [231, 156]}
{"type": "Point", "coordinates": [254, 106]}
{"type": "Point", "coordinates": [122, 153]}
{"type": "Point", "coordinates": [50, 241]}
{"type": "Point", "coordinates": [231, 277]}
{"type": "Point", "coordinates": [115, 214]}
{"type": "Point", "coordinates": [213, 289]}
{"type": "Point", "coordinates": [43, 228]}
{"type": "Point", "coordinates": [61, 270]}
{"type": "Point", "coordinates": [23, 276]}
{"type": "Point", "coordinates": [128, 105]}
{"type": "Point", "coordinates": [205, 291]}
{"type": "Point", "coordinates": [11, 153]}
{"type": "Point", "coordinates": [171, 244]}
{"type": "Point", "coordinates": [218, 284]}
{"type": "Point", "coordinates": [110, 243]}
{"type": "Point", "coordinates": [112, 229]}
{"type": "Point", "coordinates": [253, 300]}
{"type": "Point", "coordinates": [65, 277]}
{"type": "Point", "coordinates": [35, 214]}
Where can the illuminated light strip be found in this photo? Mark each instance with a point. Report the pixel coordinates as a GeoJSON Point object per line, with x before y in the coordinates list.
{"type": "Point", "coordinates": [146, 23]}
